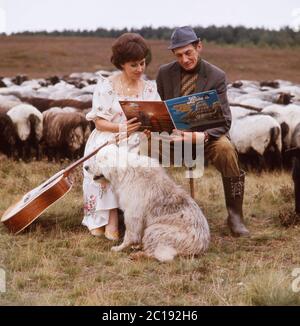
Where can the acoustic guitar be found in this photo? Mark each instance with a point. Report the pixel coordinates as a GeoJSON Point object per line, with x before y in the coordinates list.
{"type": "Point", "coordinates": [21, 214]}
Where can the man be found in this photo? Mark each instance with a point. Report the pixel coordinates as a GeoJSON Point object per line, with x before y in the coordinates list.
{"type": "Point", "coordinates": [190, 74]}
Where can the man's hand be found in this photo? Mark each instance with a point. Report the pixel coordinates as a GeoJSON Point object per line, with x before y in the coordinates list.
{"type": "Point", "coordinates": [178, 136]}
{"type": "Point", "coordinates": [187, 136]}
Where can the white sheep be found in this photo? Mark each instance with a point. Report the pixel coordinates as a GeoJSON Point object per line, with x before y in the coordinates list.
{"type": "Point", "coordinates": [257, 138]}
{"type": "Point", "coordinates": [29, 125]}
{"type": "Point", "coordinates": [288, 116]}
{"type": "Point", "coordinates": [20, 114]}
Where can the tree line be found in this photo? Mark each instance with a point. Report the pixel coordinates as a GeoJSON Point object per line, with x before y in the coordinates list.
{"type": "Point", "coordinates": [240, 35]}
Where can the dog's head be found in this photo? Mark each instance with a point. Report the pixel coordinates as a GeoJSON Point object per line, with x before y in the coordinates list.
{"type": "Point", "coordinates": [112, 161]}
{"type": "Point", "coordinates": [105, 163]}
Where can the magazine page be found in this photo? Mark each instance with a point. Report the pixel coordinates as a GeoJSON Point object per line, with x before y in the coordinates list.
{"type": "Point", "coordinates": [153, 115]}
{"type": "Point", "coordinates": [196, 112]}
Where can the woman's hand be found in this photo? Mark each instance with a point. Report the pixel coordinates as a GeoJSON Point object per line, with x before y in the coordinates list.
{"type": "Point", "coordinates": [130, 126]}
{"type": "Point", "coordinates": [147, 132]}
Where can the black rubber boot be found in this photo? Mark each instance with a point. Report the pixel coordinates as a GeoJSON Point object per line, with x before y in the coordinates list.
{"type": "Point", "coordinates": [234, 195]}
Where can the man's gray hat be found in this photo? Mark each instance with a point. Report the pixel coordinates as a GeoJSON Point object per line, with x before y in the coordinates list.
{"type": "Point", "coordinates": [182, 36]}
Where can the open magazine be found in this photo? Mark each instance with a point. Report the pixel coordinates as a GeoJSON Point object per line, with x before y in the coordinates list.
{"type": "Point", "coordinates": [195, 112]}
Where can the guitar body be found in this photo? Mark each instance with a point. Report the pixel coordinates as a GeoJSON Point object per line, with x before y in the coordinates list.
{"type": "Point", "coordinates": [21, 214]}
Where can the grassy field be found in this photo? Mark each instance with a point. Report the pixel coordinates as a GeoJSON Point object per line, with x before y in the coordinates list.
{"type": "Point", "coordinates": [42, 57]}
{"type": "Point", "coordinates": [57, 262]}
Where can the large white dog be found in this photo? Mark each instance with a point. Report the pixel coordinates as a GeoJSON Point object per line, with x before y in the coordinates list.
{"type": "Point", "coordinates": [158, 214]}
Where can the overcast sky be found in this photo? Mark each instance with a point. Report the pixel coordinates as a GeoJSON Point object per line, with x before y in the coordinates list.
{"type": "Point", "coordinates": [19, 15]}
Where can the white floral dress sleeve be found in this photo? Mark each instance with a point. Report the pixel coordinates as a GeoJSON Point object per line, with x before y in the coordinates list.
{"type": "Point", "coordinates": [151, 93]}
{"type": "Point", "coordinates": [102, 101]}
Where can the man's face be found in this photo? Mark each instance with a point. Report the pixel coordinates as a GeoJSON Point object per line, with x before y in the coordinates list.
{"type": "Point", "coordinates": [187, 56]}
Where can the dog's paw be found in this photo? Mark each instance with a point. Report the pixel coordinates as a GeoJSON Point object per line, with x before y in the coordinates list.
{"type": "Point", "coordinates": [136, 247]}
{"type": "Point", "coordinates": [116, 248]}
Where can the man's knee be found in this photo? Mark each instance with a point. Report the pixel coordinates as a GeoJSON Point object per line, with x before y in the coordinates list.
{"type": "Point", "coordinates": [224, 146]}
{"type": "Point", "coordinates": [224, 150]}
{"type": "Point", "coordinates": [225, 157]}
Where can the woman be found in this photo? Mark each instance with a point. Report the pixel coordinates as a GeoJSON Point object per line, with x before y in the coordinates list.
{"type": "Point", "coordinates": [130, 54]}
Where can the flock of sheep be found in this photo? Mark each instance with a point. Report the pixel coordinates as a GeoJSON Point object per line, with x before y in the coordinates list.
{"type": "Point", "coordinates": [265, 121]}
{"type": "Point", "coordinates": [46, 117]}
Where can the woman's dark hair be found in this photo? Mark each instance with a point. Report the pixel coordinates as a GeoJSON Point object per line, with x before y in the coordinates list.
{"type": "Point", "coordinates": [129, 47]}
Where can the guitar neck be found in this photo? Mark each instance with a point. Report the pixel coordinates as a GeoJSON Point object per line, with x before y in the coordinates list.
{"type": "Point", "coordinates": [115, 140]}
{"type": "Point", "coordinates": [81, 160]}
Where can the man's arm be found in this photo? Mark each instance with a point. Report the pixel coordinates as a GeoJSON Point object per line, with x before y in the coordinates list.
{"type": "Point", "coordinates": [221, 88]}
{"type": "Point", "coordinates": [159, 83]}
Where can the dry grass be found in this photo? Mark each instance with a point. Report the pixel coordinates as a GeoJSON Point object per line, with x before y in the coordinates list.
{"type": "Point", "coordinates": [57, 262]}
{"type": "Point", "coordinates": [42, 57]}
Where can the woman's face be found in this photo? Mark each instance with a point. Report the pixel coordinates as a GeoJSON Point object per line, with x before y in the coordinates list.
{"type": "Point", "coordinates": [134, 69]}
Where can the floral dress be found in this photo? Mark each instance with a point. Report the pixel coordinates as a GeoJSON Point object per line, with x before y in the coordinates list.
{"type": "Point", "coordinates": [97, 200]}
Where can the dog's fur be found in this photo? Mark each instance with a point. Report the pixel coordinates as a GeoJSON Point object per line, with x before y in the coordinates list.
{"type": "Point", "coordinates": [158, 214]}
